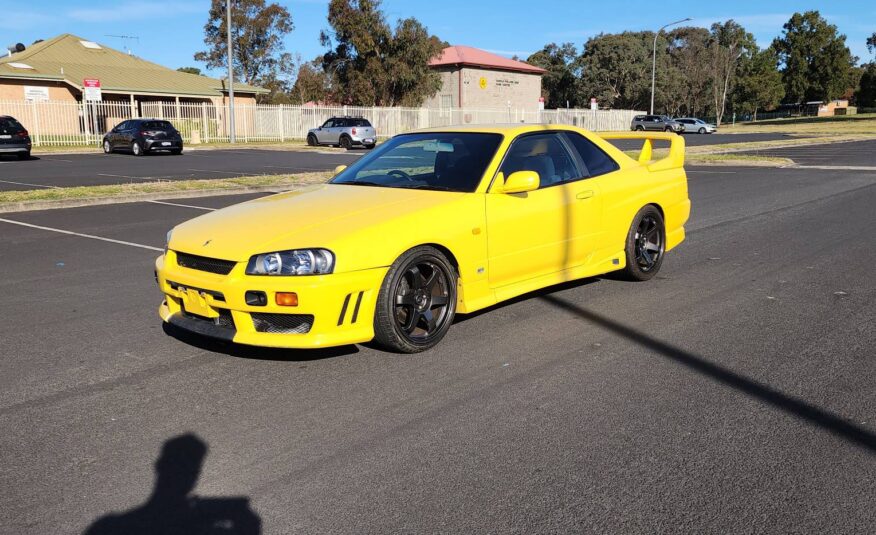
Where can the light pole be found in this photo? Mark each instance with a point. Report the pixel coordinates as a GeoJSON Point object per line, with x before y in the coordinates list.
{"type": "Point", "coordinates": [654, 58]}
{"type": "Point", "coordinates": [230, 52]}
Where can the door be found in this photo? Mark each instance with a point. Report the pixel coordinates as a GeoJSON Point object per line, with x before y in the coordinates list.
{"type": "Point", "coordinates": [543, 231]}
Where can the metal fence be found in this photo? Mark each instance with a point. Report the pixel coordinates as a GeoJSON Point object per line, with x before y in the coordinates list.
{"type": "Point", "coordinates": [77, 123]}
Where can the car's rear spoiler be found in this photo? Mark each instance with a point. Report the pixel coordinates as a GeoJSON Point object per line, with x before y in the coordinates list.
{"type": "Point", "coordinates": [674, 160]}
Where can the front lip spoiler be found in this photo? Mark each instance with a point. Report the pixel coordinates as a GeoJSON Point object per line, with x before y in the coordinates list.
{"type": "Point", "coordinates": [202, 327]}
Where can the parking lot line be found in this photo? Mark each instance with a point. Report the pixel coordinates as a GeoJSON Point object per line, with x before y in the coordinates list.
{"type": "Point", "coordinates": [89, 236]}
{"type": "Point", "coordinates": [126, 176]}
{"type": "Point", "coordinates": [183, 205]}
{"type": "Point", "coordinates": [31, 185]}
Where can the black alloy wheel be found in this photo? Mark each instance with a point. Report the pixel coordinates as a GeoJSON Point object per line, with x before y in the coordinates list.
{"type": "Point", "coordinates": [417, 301]}
{"type": "Point", "coordinates": [646, 243]}
{"type": "Point", "coordinates": [346, 143]}
{"type": "Point", "coordinates": [311, 140]}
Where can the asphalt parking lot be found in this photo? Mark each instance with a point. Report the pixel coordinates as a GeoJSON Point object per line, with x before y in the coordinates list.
{"type": "Point", "coordinates": [733, 393]}
{"type": "Point", "coordinates": [65, 170]}
{"type": "Point", "coordinates": [853, 153]}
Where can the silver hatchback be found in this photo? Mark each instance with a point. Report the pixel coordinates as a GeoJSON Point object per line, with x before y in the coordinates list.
{"type": "Point", "coordinates": [345, 132]}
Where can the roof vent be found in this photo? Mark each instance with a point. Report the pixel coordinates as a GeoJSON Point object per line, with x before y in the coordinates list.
{"type": "Point", "coordinates": [91, 44]}
{"type": "Point", "coordinates": [19, 65]}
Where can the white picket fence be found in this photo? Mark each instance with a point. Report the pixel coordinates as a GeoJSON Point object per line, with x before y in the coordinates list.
{"type": "Point", "coordinates": [76, 123]}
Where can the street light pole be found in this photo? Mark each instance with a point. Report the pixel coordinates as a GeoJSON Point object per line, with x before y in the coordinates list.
{"type": "Point", "coordinates": [654, 58]}
{"type": "Point", "coordinates": [230, 52]}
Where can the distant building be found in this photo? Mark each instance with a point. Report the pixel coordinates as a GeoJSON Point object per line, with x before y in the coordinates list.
{"type": "Point", "coordinates": [476, 79]}
{"type": "Point", "coordinates": [56, 69]}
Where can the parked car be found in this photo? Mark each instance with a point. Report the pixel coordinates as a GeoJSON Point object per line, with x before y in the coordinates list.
{"type": "Point", "coordinates": [14, 138]}
{"type": "Point", "coordinates": [432, 223]}
{"type": "Point", "coordinates": [344, 132]}
{"type": "Point", "coordinates": [142, 136]}
{"type": "Point", "coordinates": [692, 124]}
{"type": "Point", "coordinates": [663, 123]}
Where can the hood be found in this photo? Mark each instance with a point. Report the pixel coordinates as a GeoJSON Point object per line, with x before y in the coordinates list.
{"type": "Point", "coordinates": [317, 216]}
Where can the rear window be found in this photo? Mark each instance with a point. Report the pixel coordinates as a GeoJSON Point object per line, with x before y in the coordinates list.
{"type": "Point", "coordinates": [358, 122]}
{"type": "Point", "coordinates": [8, 123]}
{"type": "Point", "coordinates": [157, 125]}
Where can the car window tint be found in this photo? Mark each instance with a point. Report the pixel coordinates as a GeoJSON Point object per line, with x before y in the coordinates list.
{"type": "Point", "coordinates": [8, 123]}
{"type": "Point", "coordinates": [595, 159]}
{"type": "Point", "coordinates": [328, 124]}
{"type": "Point", "coordinates": [158, 125]}
{"type": "Point", "coordinates": [359, 122]}
{"type": "Point", "coordinates": [544, 154]}
{"type": "Point", "coordinates": [123, 126]}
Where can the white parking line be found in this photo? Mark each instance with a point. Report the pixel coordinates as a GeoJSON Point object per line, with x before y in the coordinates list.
{"type": "Point", "coordinates": [183, 205]}
{"type": "Point", "coordinates": [126, 176]}
{"type": "Point", "coordinates": [32, 185]}
{"type": "Point", "coordinates": [89, 236]}
{"type": "Point", "coordinates": [211, 171]}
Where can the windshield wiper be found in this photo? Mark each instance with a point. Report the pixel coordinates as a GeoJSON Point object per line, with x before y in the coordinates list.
{"type": "Point", "coordinates": [426, 186]}
{"type": "Point", "coordinates": [363, 183]}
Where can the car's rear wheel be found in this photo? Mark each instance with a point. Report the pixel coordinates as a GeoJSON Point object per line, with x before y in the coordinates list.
{"type": "Point", "coordinates": [640, 128]}
{"type": "Point", "coordinates": [107, 148]}
{"type": "Point", "coordinates": [668, 129]}
{"type": "Point", "coordinates": [417, 301]}
{"type": "Point", "coordinates": [137, 149]}
{"type": "Point", "coordinates": [702, 130]}
{"type": "Point", "coordinates": [346, 143]}
{"type": "Point", "coordinates": [311, 140]}
{"type": "Point", "coordinates": [646, 243]}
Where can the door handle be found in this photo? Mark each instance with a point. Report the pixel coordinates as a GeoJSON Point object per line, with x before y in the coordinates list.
{"type": "Point", "coordinates": [584, 194]}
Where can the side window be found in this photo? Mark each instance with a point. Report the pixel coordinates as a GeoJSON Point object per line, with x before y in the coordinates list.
{"type": "Point", "coordinates": [596, 161]}
{"type": "Point", "coordinates": [123, 126]}
{"type": "Point", "coordinates": [328, 124]}
{"type": "Point", "coordinates": [544, 154]}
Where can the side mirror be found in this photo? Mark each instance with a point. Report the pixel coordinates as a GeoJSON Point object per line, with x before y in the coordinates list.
{"type": "Point", "coordinates": [521, 182]}
{"type": "Point", "coordinates": [339, 168]}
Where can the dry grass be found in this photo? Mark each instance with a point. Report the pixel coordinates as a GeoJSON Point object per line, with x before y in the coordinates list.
{"type": "Point", "coordinates": [838, 125]}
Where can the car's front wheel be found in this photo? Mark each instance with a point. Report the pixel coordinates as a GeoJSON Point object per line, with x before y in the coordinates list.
{"type": "Point", "coordinates": [646, 243]}
{"type": "Point", "coordinates": [417, 301]}
{"type": "Point", "coordinates": [107, 148]}
{"type": "Point", "coordinates": [311, 140]}
{"type": "Point", "coordinates": [702, 130]}
{"type": "Point", "coordinates": [640, 128]}
{"type": "Point", "coordinates": [137, 149]}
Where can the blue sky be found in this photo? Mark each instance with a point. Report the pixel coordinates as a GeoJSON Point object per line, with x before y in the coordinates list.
{"type": "Point", "coordinates": [171, 32]}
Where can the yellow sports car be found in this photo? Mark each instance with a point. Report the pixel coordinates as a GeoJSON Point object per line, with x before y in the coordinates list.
{"type": "Point", "coordinates": [430, 224]}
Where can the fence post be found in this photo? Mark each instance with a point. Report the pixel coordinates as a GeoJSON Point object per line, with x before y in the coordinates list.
{"type": "Point", "coordinates": [282, 128]}
{"type": "Point", "coordinates": [36, 122]}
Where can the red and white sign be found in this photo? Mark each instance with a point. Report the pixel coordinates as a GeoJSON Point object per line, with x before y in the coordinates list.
{"type": "Point", "coordinates": [91, 89]}
{"type": "Point", "coordinates": [593, 104]}
{"type": "Point", "coordinates": [540, 103]}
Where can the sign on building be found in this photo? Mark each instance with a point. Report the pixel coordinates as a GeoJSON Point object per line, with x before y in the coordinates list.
{"type": "Point", "coordinates": [91, 89]}
{"type": "Point", "coordinates": [36, 94]}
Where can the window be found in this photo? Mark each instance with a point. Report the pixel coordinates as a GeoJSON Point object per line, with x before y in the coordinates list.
{"type": "Point", "coordinates": [90, 44]}
{"type": "Point", "coordinates": [544, 154]}
{"type": "Point", "coordinates": [358, 122]}
{"type": "Point", "coordinates": [17, 65]}
{"type": "Point", "coordinates": [595, 160]}
{"type": "Point", "coordinates": [8, 123]}
{"type": "Point", "coordinates": [443, 161]}
{"type": "Point", "coordinates": [123, 126]}
{"type": "Point", "coordinates": [158, 125]}
{"type": "Point", "coordinates": [328, 124]}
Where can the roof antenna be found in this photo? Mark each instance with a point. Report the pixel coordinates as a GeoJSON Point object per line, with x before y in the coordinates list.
{"type": "Point", "coordinates": [125, 39]}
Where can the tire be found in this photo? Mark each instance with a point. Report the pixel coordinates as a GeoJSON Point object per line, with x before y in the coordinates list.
{"type": "Point", "coordinates": [369, 147]}
{"type": "Point", "coordinates": [668, 129]}
{"type": "Point", "coordinates": [24, 155]}
{"type": "Point", "coordinates": [640, 128]}
{"type": "Point", "coordinates": [107, 148]}
{"type": "Point", "coordinates": [647, 236]}
{"type": "Point", "coordinates": [702, 130]}
{"type": "Point", "coordinates": [345, 143]}
{"type": "Point", "coordinates": [311, 140]}
{"type": "Point", "coordinates": [176, 152]}
{"type": "Point", "coordinates": [417, 301]}
{"type": "Point", "coordinates": [137, 149]}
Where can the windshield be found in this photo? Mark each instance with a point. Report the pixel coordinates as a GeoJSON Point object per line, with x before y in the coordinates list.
{"type": "Point", "coordinates": [438, 161]}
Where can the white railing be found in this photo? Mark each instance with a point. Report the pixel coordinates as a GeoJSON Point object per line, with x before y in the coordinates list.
{"type": "Point", "coordinates": [75, 123]}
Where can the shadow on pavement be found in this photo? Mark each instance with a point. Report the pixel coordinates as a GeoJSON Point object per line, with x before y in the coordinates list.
{"type": "Point", "coordinates": [173, 509]}
{"type": "Point", "coordinates": [256, 353]}
{"type": "Point", "coordinates": [827, 421]}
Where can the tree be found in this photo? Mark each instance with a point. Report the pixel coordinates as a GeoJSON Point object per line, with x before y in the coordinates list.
{"type": "Point", "coordinates": [311, 83]}
{"type": "Point", "coordinates": [815, 58]}
{"type": "Point", "coordinates": [257, 38]}
{"type": "Point", "coordinates": [559, 83]}
{"type": "Point", "coordinates": [190, 70]}
{"type": "Point", "coordinates": [866, 94]}
{"type": "Point", "coordinates": [616, 69]}
{"type": "Point", "coordinates": [729, 42]}
{"type": "Point", "coordinates": [692, 94]}
{"type": "Point", "coordinates": [371, 64]}
{"type": "Point", "coordinates": [759, 84]}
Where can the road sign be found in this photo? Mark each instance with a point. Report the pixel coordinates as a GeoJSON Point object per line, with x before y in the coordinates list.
{"type": "Point", "coordinates": [593, 104]}
{"type": "Point", "coordinates": [91, 89]}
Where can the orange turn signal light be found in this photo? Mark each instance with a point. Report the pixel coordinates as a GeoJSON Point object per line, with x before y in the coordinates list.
{"type": "Point", "coordinates": [286, 299]}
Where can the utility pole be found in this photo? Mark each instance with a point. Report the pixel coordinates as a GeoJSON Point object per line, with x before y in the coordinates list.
{"type": "Point", "coordinates": [654, 58]}
{"type": "Point", "coordinates": [232, 137]}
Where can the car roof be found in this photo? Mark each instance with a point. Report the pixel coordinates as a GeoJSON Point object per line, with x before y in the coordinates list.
{"type": "Point", "coordinates": [499, 128]}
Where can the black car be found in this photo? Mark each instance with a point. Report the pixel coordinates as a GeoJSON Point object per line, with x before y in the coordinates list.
{"type": "Point", "coordinates": [14, 138]}
{"type": "Point", "coordinates": [142, 136]}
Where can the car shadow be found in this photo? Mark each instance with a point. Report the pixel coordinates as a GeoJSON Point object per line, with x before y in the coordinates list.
{"type": "Point", "coordinates": [173, 508]}
{"type": "Point", "coordinates": [14, 158]}
{"type": "Point", "coordinates": [256, 353]}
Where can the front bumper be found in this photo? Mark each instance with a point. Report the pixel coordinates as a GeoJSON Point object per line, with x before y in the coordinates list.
{"type": "Point", "coordinates": [333, 310]}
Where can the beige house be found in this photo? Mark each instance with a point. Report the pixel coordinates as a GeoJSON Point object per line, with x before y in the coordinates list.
{"type": "Point", "coordinates": [476, 79]}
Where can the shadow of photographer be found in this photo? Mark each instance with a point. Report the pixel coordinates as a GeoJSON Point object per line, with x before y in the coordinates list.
{"type": "Point", "coordinates": [173, 509]}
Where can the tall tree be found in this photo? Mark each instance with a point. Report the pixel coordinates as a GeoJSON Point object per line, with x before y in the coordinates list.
{"type": "Point", "coordinates": [866, 94]}
{"type": "Point", "coordinates": [370, 63]}
{"type": "Point", "coordinates": [729, 42]}
{"type": "Point", "coordinates": [616, 69]}
{"type": "Point", "coordinates": [693, 91]}
{"type": "Point", "coordinates": [311, 84]}
{"type": "Point", "coordinates": [559, 83]}
{"type": "Point", "coordinates": [759, 86]}
{"type": "Point", "coordinates": [257, 36]}
{"type": "Point", "coordinates": [815, 58]}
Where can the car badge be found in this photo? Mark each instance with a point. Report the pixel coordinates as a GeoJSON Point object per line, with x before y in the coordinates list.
{"type": "Point", "coordinates": [206, 243]}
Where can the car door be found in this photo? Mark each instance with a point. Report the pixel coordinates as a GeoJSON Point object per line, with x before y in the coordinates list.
{"type": "Point", "coordinates": [331, 131]}
{"type": "Point", "coordinates": [113, 135]}
{"type": "Point", "coordinates": [653, 123]}
{"type": "Point", "coordinates": [534, 233]}
{"type": "Point", "coordinates": [126, 136]}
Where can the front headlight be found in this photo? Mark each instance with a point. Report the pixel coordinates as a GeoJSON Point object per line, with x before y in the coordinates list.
{"type": "Point", "coordinates": [296, 262]}
{"type": "Point", "coordinates": [167, 240]}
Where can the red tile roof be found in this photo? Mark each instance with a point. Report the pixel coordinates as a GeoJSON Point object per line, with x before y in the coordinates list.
{"type": "Point", "coordinates": [475, 57]}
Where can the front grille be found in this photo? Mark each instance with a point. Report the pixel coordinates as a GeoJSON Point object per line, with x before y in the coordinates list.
{"type": "Point", "coordinates": [224, 320]}
{"type": "Point", "coordinates": [202, 263]}
{"type": "Point", "coordinates": [282, 323]}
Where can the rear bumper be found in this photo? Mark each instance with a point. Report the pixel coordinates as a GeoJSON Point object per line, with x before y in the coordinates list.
{"type": "Point", "coordinates": [333, 310]}
{"type": "Point", "coordinates": [159, 144]}
{"type": "Point", "coordinates": [11, 148]}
